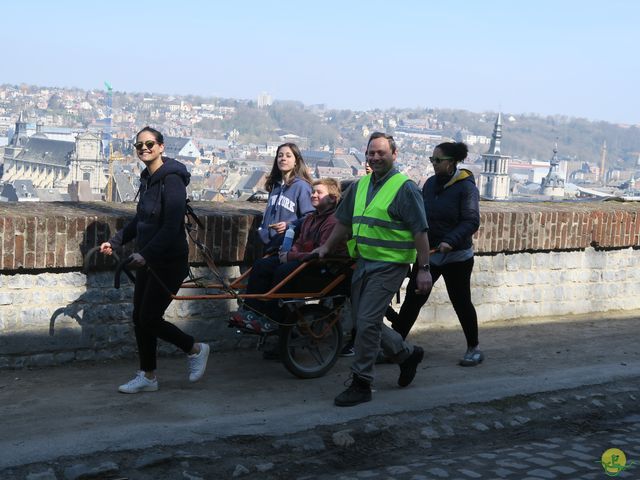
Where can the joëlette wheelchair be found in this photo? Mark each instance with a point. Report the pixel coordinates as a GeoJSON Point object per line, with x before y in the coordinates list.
{"type": "Point", "coordinates": [309, 337]}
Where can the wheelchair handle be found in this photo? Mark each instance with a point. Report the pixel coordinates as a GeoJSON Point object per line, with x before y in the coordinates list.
{"type": "Point", "coordinates": [122, 267]}
{"type": "Point", "coordinates": [87, 259]}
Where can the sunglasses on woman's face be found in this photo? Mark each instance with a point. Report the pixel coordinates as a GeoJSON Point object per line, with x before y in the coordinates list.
{"type": "Point", "coordinates": [149, 144]}
{"type": "Point", "coordinates": [439, 159]}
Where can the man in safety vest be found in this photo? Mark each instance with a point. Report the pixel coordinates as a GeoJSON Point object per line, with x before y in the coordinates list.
{"type": "Point", "coordinates": [384, 214]}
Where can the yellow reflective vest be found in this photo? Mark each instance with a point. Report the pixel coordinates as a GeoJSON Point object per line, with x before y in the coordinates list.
{"type": "Point", "coordinates": [376, 236]}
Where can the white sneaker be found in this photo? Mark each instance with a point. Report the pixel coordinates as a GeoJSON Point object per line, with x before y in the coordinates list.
{"type": "Point", "coordinates": [198, 363]}
{"type": "Point", "coordinates": [140, 383]}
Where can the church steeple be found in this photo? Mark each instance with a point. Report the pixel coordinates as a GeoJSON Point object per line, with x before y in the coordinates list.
{"type": "Point", "coordinates": [20, 135]}
{"type": "Point", "coordinates": [603, 157]}
{"type": "Point", "coordinates": [494, 181]}
{"type": "Point", "coordinates": [496, 137]}
{"type": "Point", "coordinates": [553, 184]}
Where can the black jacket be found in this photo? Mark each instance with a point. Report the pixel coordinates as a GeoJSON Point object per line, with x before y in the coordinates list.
{"type": "Point", "coordinates": [452, 206]}
{"type": "Point", "coordinates": [158, 225]}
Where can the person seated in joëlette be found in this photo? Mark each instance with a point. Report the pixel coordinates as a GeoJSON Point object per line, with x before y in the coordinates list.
{"type": "Point", "coordinates": [264, 316]}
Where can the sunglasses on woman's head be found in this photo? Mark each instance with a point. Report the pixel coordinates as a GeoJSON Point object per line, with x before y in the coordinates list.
{"type": "Point", "coordinates": [149, 144]}
{"type": "Point", "coordinates": [439, 159]}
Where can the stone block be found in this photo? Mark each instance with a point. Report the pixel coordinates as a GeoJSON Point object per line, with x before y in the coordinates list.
{"type": "Point", "coordinates": [85, 354]}
{"type": "Point", "coordinates": [35, 317]}
{"type": "Point", "coordinates": [63, 357]}
{"type": "Point", "coordinates": [6, 298]}
{"type": "Point", "coordinates": [19, 282]}
{"type": "Point", "coordinates": [42, 360]}
{"type": "Point", "coordinates": [498, 263]}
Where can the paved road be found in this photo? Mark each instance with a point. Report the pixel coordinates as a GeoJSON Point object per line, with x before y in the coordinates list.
{"type": "Point", "coordinates": [251, 418]}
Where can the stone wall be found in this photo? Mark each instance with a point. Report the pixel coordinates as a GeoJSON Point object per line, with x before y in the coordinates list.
{"type": "Point", "coordinates": [506, 286]}
{"type": "Point", "coordinates": [534, 259]}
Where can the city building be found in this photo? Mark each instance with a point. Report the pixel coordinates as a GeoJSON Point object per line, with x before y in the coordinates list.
{"type": "Point", "coordinates": [180, 148]}
{"type": "Point", "coordinates": [553, 184]}
{"type": "Point", "coordinates": [19, 191]}
{"type": "Point", "coordinates": [494, 181]}
{"type": "Point", "coordinates": [88, 163]}
{"type": "Point", "coordinates": [49, 163]}
{"type": "Point", "coordinates": [264, 100]}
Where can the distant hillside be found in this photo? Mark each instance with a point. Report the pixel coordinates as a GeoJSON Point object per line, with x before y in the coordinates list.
{"type": "Point", "coordinates": [526, 136]}
{"type": "Point", "coordinates": [534, 136]}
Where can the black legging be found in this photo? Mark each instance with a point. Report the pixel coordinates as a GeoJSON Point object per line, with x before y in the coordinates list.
{"type": "Point", "coordinates": [150, 301]}
{"type": "Point", "coordinates": [457, 278]}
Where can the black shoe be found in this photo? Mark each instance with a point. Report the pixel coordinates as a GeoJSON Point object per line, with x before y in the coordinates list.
{"type": "Point", "coordinates": [409, 367]}
{"type": "Point", "coordinates": [347, 351]}
{"type": "Point", "coordinates": [358, 392]}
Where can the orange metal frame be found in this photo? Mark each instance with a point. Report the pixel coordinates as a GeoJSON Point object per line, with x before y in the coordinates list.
{"type": "Point", "coordinates": [272, 294]}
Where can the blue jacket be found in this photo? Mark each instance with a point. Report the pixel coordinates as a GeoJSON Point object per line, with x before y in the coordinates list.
{"type": "Point", "coordinates": [158, 225]}
{"type": "Point", "coordinates": [452, 205]}
{"type": "Point", "coordinates": [287, 203]}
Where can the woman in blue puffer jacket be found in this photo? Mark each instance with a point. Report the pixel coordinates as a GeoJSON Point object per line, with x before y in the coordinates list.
{"type": "Point", "coordinates": [451, 201]}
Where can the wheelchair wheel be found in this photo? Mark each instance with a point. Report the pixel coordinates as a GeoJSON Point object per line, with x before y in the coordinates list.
{"type": "Point", "coordinates": [310, 347]}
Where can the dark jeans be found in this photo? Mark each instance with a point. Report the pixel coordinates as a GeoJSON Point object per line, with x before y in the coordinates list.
{"type": "Point", "coordinates": [150, 300]}
{"type": "Point", "coordinates": [457, 278]}
{"type": "Point", "coordinates": [268, 272]}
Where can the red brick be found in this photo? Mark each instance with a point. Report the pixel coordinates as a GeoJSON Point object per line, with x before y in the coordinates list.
{"type": "Point", "coordinates": [41, 241]}
{"type": "Point", "coordinates": [29, 260]}
{"type": "Point", "coordinates": [50, 239]}
{"type": "Point", "coordinates": [49, 259]}
{"type": "Point", "coordinates": [30, 235]}
{"type": "Point", "coordinates": [8, 244]}
{"type": "Point", "coordinates": [18, 252]}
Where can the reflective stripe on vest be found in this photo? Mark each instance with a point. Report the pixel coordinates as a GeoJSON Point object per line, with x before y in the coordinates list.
{"type": "Point", "coordinates": [377, 236]}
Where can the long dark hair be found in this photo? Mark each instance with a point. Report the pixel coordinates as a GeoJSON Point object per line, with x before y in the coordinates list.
{"type": "Point", "coordinates": [299, 170]}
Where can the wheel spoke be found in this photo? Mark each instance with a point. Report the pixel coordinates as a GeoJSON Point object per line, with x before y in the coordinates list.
{"type": "Point", "coordinates": [317, 355]}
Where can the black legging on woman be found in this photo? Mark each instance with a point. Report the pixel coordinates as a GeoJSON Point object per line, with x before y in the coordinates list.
{"type": "Point", "coordinates": [457, 278]}
{"type": "Point", "coordinates": [150, 300]}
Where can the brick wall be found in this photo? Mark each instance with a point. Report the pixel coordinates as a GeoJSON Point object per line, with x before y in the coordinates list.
{"type": "Point", "coordinates": [56, 235]}
{"type": "Point", "coordinates": [517, 227]}
{"type": "Point", "coordinates": [534, 259]}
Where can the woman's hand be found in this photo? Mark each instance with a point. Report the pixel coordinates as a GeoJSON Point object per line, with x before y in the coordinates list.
{"type": "Point", "coordinates": [283, 257]}
{"type": "Point", "coordinates": [136, 261]}
{"type": "Point", "coordinates": [106, 248]}
{"type": "Point", "coordinates": [444, 247]}
{"type": "Point", "coordinates": [279, 227]}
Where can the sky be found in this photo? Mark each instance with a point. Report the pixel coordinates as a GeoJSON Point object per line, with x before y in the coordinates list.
{"type": "Point", "coordinates": [577, 58]}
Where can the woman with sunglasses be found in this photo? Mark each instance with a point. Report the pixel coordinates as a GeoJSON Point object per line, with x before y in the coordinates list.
{"type": "Point", "coordinates": [160, 245]}
{"type": "Point", "coordinates": [451, 201]}
{"type": "Point", "coordinates": [289, 187]}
